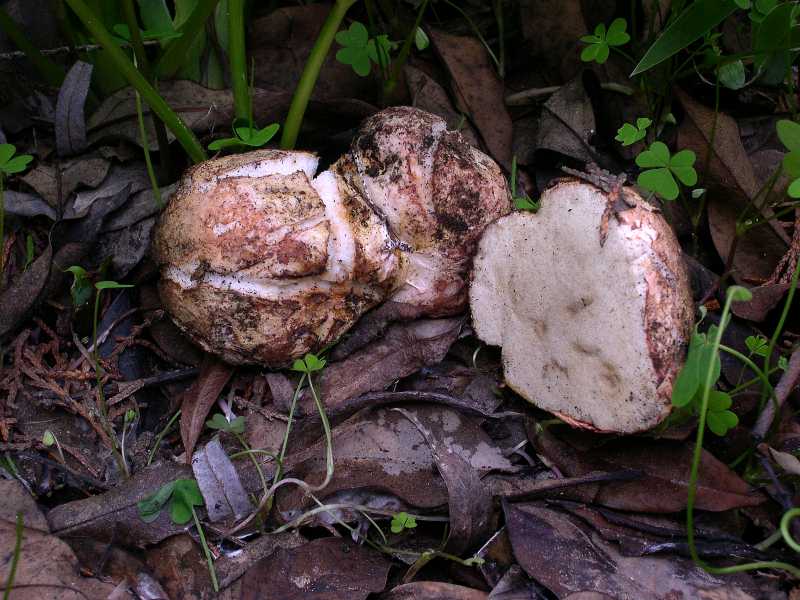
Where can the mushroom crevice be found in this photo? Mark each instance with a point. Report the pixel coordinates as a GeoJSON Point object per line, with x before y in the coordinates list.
{"type": "Point", "coordinates": [262, 260]}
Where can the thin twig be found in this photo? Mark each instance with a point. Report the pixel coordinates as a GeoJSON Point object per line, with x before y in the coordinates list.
{"type": "Point", "coordinates": [782, 390]}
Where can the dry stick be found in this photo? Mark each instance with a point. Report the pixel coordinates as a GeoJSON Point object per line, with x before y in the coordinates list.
{"type": "Point", "coordinates": [782, 390]}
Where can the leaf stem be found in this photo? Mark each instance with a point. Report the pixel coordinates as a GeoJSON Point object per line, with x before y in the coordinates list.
{"type": "Point", "coordinates": [12, 573]}
{"type": "Point", "coordinates": [302, 94]}
{"type": "Point", "coordinates": [206, 549]}
{"type": "Point", "coordinates": [175, 124]}
{"type": "Point", "coordinates": [161, 435]}
{"type": "Point", "coordinates": [238, 61]}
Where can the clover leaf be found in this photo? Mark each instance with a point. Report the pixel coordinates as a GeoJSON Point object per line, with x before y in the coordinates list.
{"type": "Point", "coordinates": [789, 134]}
{"type": "Point", "coordinates": [309, 364]}
{"type": "Point", "coordinates": [81, 288]}
{"type": "Point", "coordinates": [246, 136]}
{"type": "Point", "coordinates": [359, 51]}
{"type": "Point", "coordinates": [183, 495]}
{"type": "Point", "coordinates": [9, 163]}
{"type": "Point", "coordinates": [220, 423]}
{"type": "Point", "coordinates": [401, 521]}
{"type": "Point", "coordinates": [601, 42]}
{"type": "Point", "coordinates": [662, 169]}
{"type": "Point", "coordinates": [629, 134]}
{"type": "Point", "coordinates": [719, 418]}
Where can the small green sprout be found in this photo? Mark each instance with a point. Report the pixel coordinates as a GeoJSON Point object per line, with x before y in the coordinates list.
{"type": "Point", "coordinates": [402, 521]}
{"type": "Point", "coordinates": [246, 136]}
{"type": "Point", "coordinates": [789, 134]}
{"type": "Point", "coordinates": [421, 39]}
{"type": "Point", "coordinates": [360, 51]}
{"type": "Point", "coordinates": [759, 345]}
{"type": "Point", "coordinates": [601, 42]}
{"type": "Point", "coordinates": [687, 391]}
{"type": "Point", "coordinates": [310, 363]}
{"type": "Point", "coordinates": [183, 495]}
{"type": "Point", "coordinates": [629, 134]}
{"type": "Point", "coordinates": [220, 423]}
{"type": "Point", "coordinates": [521, 201]}
{"type": "Point", "coordinates": [662, 169]}
{"type": "Point", "coordinates": [81, 288]}
{"type": "Point", "coordinates": [49, 440]}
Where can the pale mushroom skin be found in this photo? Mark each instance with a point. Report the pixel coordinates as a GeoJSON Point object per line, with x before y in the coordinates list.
{"type": "Point", "coordinates": [594, 334]}
{"type": "Point", "coordinates": [262, 261]}
{"type": "Point", "coordinates": [437, 194]}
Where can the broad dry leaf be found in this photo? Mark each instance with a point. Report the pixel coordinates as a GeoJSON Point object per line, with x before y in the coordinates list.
{"type": "Point", "coordinates": [199, 398]}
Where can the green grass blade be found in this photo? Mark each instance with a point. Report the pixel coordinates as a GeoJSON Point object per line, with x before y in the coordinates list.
{"type": "Point", "coordinates": [697, 20]}
{"type": "Point", "coordinates": [175, 53]}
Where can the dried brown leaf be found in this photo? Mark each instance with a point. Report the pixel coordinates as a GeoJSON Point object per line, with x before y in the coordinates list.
{"type": "Point", "coordinates": [433, 590]}
{"type": "Point", "coordinates": [25, 292]}
{"type": "Point", "coordinates": [199, 398]}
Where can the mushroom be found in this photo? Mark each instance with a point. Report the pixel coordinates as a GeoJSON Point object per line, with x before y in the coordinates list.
{"type": "Point", "coordinates": [593, 331]}
{"type": "Point", "coordinates": [262, 261]}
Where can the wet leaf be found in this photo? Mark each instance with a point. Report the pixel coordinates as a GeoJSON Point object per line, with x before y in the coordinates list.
{"type": "Point", "coordinates": [199, 398]}
{"type": "Point", "coordinates": [323, 569]}
{"type": "Point", "coordinates": [70, 122]}
{"type": "Point", "coordinates": [219, 483]}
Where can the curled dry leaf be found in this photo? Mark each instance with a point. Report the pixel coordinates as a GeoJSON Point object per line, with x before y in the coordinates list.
{"type": "Point", "coordinates": [47, 567]}
{"type": "Point", "coordinates": [89, 171]}
{"type": "Point", "coordinates": [664, 466]}
{"type": "Point", "coordinates": [323, 569]}
{"type": "Point", "coordinates": [567, 123]}
{"type": "Point", "coordinates": [70, 122]}
{"type": "Point", "coordinates": [469, 500]}
{"type": "Point", "coordinates": [198, 399]}
{"type": "Point", "coordinates": [433, 590]}
{"type": "Point", "coordinates": [586, 562]}
{"type": "Point", "coordinates": [478, 90]}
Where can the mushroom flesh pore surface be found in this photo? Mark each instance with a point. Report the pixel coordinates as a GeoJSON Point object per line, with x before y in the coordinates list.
{"type": "Point", "coordinates": [595, 334]}
{"type": "Point", "coordinates": [263, 261]}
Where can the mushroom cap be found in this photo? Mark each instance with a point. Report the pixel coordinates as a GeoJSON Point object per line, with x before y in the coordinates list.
{"type": "Point", "coordinates": [261, 262]}
{"type": "Point", "coordinates": [436, 192]}
{"type": "Point", "coordinates": [596, 335]}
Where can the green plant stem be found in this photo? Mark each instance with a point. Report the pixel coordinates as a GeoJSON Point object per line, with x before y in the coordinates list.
{"type": "Point", "coordinates": [185, 136]}
{"type": "Point", "coordinates": [289, 422]}
{"type": "Point", "coordinates": [787, 536]}
{"type": "Point", "coordinates": [12, 572]}
{"type": "Point", "coordinates": [302, 94]}
{"type": "Point", "coordinates": [137, 43]}
{"type": "Point", "coordinates": [206, 550]}
{"type": "Point", "coordinates": [151, 174]}
{"type": "Point", "coordinates": [176, 50]}
{"type": "Point", "coordinates": [237, 57]}
{"type": "Point", "coordinates": [250, 452]}
{"type": "Point", "coordinates": [161, 435]}
{"type": "Point", "coordinates": [501, 35]}
{"type": "Point", "coordinates": [697, 455]}
{"type": "Point", "coordinates": [405, 51]}
{"type": "Point", "coordinates": [52, 73]}
{"type": "Point", "coordinates": [476, 31]}
{"type": "Point", "coordinates": [326, 427]}
{"type": "Point", "coordinates": [2, 223]}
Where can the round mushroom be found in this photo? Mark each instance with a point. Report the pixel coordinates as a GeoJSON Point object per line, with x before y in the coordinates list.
{"type": "Point", "coordinates": [593, 332]}
{"type": "Point", "coordinates": [262, 261]}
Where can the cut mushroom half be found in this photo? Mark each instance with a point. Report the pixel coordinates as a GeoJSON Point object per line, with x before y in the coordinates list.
{"type": "Point", "coordinates": [594, 333]}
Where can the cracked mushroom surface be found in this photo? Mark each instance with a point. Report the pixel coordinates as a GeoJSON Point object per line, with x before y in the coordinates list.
{"type": "Point", "coordinates": [263, 261]}
{"type": "Point", "coordinates": [595, 334]}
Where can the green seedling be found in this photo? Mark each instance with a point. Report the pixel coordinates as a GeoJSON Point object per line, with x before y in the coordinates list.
{"type": "Point", "coordinates": [759, 345]}
{"type": "Point", "coordinates": [49, 440]}
{"type": "Point", "coordinates": [662, 169]}
{"type": "Point", "coordinates": [687, 392]}
{"type": "Point", "coordinates": [521, 201]}
{"type": "Point", "coordinates": [421, 39]}
{"type": "Point", "coordinates": [402, 521]}
{"type": "Point", "coordinates": [183, 495]}
{"type": "Point", "coordinates": [360, 51]}
{"type": "Point", "coordinates": [629, 134]}
{"type": "Point", "coordinates": [81, 288]}
{"type": "Point", "coordinates": [789, 134]}
{"type": "Point", "coordinates": [9, 165]}
{"type": "Point", "coordinates": [309, 364]}
{"type": "Point", "coordinates": [601, 42]}
{"type": "Point", "coordinates": [246, 136]}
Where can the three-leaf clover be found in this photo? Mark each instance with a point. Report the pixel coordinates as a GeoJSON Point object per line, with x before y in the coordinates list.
{"type": "Point", "coordinates": [184, 495]}
{"type": "Point", "coordinates": [629, 134]}
{"type": "Point", "coordinates": [220, 423]}
{"type": "Point", "coordinates": [401, 521]}
{"type": "Point", "coordinates": [9, 163]}
{"type": "Point", "coordinates": [601, 42]}
{"type": "Point", "coordinates": [662, 169]}
{"type": "Point", "coordinates": [687, 391]}
{"type": "Point", "coordinates": [246, 136]}
{"type": "Point", "coordinates": [789, 134]}
{"type": "Point", "coordinates": [759, 346]}
{"type": "Point", "coordinates": [359, 51]}
{"type": "Point", "coordinates": [309, 364]}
